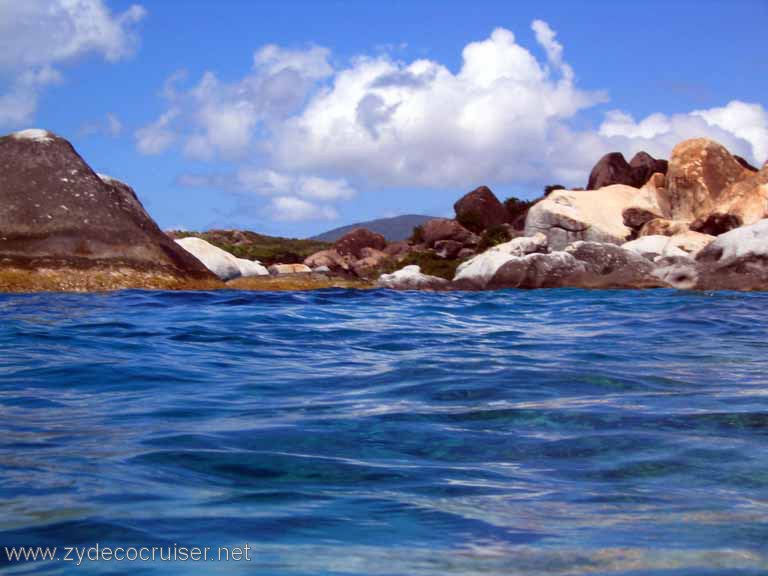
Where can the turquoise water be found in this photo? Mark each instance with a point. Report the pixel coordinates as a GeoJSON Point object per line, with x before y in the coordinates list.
{"type": "Point", "coordinates": [344, 432]}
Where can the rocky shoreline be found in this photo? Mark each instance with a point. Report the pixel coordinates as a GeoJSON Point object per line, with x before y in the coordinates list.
{"type": "Point", "coordinates": [697, 221]}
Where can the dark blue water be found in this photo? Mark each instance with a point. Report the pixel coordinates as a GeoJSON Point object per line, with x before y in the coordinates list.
{"type": "Point", "coordinates": [343, 432]}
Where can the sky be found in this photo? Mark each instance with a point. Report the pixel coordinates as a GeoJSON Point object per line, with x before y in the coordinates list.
{"type": "Point", "coordinates": [293, 117]}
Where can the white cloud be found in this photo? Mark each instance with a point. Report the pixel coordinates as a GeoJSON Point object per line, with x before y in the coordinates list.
{"type": "Point", "coordinates": [110, 126]}
{"type": "Point", "coordinates": [290, 209]}
{"type": "Point", "coordinates": [220, 119]}
{"type": "Point", "coordinates": [158, 136]}
{"type": "Point", "coordinates": [420, 124]}
{"type": "Point", "coordinates": [747, 121]}
{"type": "Point", "coordinates": [739, 126]}
{"type": "Point", "coordinates": [503, 116]}
{"type": "Point", "coordinates": [546, 37]}
{"type": "Point", "coordinates": [36, 35]}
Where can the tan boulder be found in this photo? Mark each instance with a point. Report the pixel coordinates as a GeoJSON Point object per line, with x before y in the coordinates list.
{"type": "Point", "coordinates": [746, 199]}
{"type": "Point", "coordinates": [329, 258]}
{"type": "Point", "coordinates": [567, 216]}
{"type": "Point", "coordinates": [289, 269]}
{"type": "Point", "coordinates": [700, 172]}
{"type": "Point", "coordinates": [371, 259]}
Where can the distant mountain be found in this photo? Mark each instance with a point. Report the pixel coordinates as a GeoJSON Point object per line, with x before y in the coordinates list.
{"type": "Point", "coordinates": [393, 229]}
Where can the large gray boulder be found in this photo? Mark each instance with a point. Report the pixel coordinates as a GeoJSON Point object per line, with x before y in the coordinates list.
{"type": "Point", "coordinates": [57, 213]}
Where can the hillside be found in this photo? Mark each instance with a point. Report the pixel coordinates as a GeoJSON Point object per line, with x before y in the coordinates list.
{"type": "Point", "coordinates": [393, 229]}
{"type": "Point", "coordinates": [266, 249]}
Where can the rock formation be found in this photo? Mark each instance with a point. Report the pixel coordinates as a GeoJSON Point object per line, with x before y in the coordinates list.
{"type": "Point", "coordinates": [480, 209]}
{"type": "Point", "coordinates": [614, 169]}
{"type": "Point", "coordinates": [57, 213]}
{"type": "Point", "coordinates": [352, 243]}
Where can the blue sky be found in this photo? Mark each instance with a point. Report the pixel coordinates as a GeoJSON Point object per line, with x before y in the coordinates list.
{"type": "Point", "coordinates": [294, 117]}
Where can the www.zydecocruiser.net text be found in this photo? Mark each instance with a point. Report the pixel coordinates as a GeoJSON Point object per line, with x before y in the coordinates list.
{"type": "Point", "coordinates": [78, 555]}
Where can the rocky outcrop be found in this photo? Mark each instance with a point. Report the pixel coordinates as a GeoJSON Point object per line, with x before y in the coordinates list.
{"type": "Point", "coordinates": [57, 213]}
{"type": "Point", "coordinates": [352, 243]}
{"type": "Point", "coordinates": [479, 210]}
{"type": "Point", "coordinates": [438, 229]}
{"type": "Point", "coordinates": [614, 169]}
{"type": "Point", "coordinates": [411, 278]}
{"type": "Point", "coordinates": [477, 272]}
{"type": "Point", "coordinates": [220, 262]}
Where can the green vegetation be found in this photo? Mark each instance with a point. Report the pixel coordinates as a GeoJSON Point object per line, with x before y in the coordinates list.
{"type": "Point", "coordinates": [471, 220]}
{"type": "Point", "coordinates": [493, 236]}
{"type": "Point", "coordinates": [266, 249]}
{"type": "Point", "coordinates": [429, 263]}
{"type": "Point", "coordinates": [417, 236]}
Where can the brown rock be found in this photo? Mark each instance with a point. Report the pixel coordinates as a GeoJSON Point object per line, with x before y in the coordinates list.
{"type": "Point", "coordinates": [397, 249]}
{"type": "Point", "coordinates": [289, 269]}
{"type": "Point", "coordinates": [56, 212]}
{"type": "Point", "coordinates": [444, 229]}
{"type": "Point", "coordinates": [716, 223]}
{"type": "Point", "coordinates": [352, 243]}
{"type": "Point", "coordinates": [479, 210]}
{"type": "Point", "coordinates": [664, 227]}
{"type": "Point", "coordinates": [635, 217]}
{"type": "Point", "coordinates": [644, 166]}
{"type": "Point", "coordinates": [614, 169]}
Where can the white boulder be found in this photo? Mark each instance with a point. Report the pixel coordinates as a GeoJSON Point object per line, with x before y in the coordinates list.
{"type": "Point", "coordinates": [747, 241]}
{"type": "Point", "coordinates": [251, 268]}
{"type": "Point", "coordinates": [411, 278]}
{"type": "Point", "coordinates": [480, 269]}
{"type": "Point", "coordinates": [567, 216]}
{"type": "Point", "coordinates": [218, 261]}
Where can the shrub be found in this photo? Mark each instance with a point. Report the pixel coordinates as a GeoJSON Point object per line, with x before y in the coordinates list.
{"type": "Point", "coordinates": [493, 236]}
{"type": "Point", "coordinates": [417, 236]}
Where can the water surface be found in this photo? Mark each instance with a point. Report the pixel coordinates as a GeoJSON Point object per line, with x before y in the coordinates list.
{"type": "Point", "coordinates": [344, 432]}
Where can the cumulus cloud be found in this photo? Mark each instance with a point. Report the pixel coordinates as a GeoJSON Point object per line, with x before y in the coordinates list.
{"type": "Point", "coordinates": [37, 35]}
{"type": "Point", "coordinates": [290, 209]}
{"type": "Point", "coordinates": [220, 119]}
{"type": "Point", "coordinates": [110, 126]}
{"type": "Point", "coordinates": [305, 197]}
{"type": "Point", "coordinates": [503, 116]}
{"type": "Point", "coordinates": [158, 136]}
{"type": "Point", "coordinates": [741, 127]}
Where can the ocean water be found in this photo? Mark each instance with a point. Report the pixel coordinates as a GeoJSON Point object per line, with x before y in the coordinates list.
{"type": "Point", "coordinates": [343, 432]}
